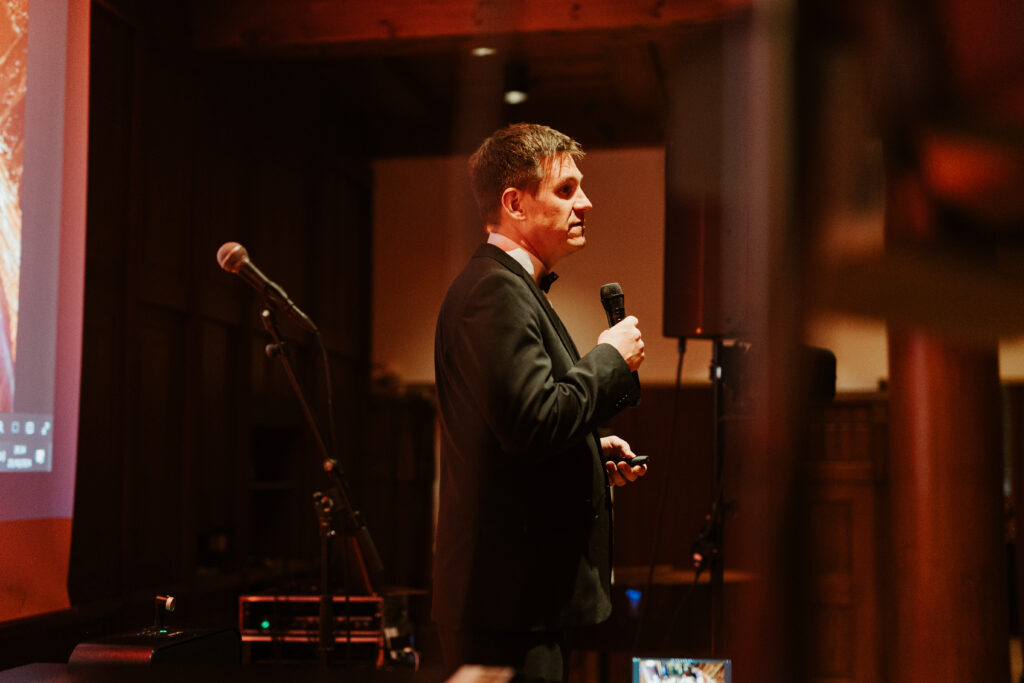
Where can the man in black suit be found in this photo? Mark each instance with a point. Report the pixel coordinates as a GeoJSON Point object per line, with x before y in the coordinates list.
{"type": "Point", "coordinates": [524, 528]}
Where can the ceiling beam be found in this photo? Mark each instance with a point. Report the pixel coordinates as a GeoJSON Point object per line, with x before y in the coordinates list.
{"type": "Point", "coordinates": [282, 25]}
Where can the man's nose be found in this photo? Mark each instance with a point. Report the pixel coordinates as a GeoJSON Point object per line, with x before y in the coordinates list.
{"type": "Point", "coordinates": [582, 204]}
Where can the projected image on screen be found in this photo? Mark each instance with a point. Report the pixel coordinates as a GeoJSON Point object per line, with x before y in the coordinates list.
{"type": "Point", "coordinates": [13, 69]}
{"type": "Point", "coordinates": [44, 98]}
{"type": "Point", "coordinates": [27, 285]}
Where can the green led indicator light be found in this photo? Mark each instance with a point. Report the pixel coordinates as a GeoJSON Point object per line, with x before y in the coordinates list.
{"type": "Point", "coordinates": [163, 630]}
{"type": "Point", "coordinates": [265, 624]}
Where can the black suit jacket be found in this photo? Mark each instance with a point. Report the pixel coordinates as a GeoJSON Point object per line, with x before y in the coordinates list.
{"type": "Point", "coordinates": [524, 524]}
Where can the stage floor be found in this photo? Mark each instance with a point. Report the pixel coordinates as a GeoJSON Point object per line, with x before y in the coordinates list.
{"type": "Point", "coordinates": [262, 673]}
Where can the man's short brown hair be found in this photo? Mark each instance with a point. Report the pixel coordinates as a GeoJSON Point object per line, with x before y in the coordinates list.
{"type": "Point", "coordinates": [515, 156]}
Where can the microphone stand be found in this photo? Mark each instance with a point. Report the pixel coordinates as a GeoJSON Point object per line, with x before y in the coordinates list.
{"type": "Point", "coordinates": [325, 505]}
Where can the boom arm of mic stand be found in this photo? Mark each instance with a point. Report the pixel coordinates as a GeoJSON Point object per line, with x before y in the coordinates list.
{"type": "Point", "coordinates": [331, 466]}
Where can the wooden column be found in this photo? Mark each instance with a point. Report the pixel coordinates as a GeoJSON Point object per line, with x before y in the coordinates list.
{"type": "Point", "coordinates": [947, 611]}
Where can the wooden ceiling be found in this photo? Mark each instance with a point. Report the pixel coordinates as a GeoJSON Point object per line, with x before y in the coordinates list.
{"type": "Point", "coordinates": [405, 71]}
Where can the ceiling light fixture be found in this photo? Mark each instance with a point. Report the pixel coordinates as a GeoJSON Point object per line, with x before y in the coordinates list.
{"type": "Point", "coordinates": [516, 83]}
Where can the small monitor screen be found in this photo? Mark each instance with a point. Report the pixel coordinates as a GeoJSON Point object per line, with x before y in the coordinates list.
{"type": "Point", "coordinates": [681, 670]}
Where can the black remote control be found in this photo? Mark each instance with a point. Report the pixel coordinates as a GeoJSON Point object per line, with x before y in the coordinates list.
{"type": "Point", "coordinates": [635, 461]}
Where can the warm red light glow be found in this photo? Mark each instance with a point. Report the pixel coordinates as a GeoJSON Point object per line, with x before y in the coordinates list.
{"type": "Point", "coordinates": [977, 174]}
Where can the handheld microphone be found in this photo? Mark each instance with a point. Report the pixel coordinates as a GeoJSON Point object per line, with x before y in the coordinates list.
{"type": "Point", "coordinates": [233, 258]}
{"type": "Point", "coordinates": [614, 302]}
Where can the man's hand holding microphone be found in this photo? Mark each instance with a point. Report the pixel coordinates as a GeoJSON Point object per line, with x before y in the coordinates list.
{"type": "Point", "coordinates": [623, 334]}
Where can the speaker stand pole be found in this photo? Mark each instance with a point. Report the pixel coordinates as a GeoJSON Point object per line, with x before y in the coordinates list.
{"type": "Point", "coordinates": [716, 518]}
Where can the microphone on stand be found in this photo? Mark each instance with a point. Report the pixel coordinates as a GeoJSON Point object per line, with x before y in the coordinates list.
{"type": "Point", "coordinates": [233, 258]}
{"type": "Point", "coordinates": [614, 302]}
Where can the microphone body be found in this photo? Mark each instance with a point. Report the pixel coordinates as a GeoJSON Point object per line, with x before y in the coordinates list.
{"type": "Point", "coordinates": [614, 302]}
{"type": "Point", "coordinates": [234, 258]}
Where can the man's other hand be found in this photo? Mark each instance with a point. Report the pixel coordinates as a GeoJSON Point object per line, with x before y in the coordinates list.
{"type": "Point", "coordinates": [621, 474]}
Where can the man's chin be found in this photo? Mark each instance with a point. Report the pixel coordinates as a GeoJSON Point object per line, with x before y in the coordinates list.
{"type": "Point", "coordinates": [571, 246]}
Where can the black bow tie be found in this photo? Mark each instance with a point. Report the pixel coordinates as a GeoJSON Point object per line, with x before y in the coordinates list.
{"type": "Point", "coordinates": [545, 281]}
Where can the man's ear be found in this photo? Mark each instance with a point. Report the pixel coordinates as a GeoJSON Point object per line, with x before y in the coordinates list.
{"type": "Point", "coordinates": [511, 203]}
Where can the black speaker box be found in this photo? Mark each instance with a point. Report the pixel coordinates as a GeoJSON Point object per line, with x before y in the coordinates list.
{"type": "Point", "coordinates": [707, 269]}
{"type": "Point", "coordinates": [162, 646]}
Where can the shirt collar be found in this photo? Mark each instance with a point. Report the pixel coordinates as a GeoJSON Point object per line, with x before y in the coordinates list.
{"type": "Point", "coordinates": [530, 263]}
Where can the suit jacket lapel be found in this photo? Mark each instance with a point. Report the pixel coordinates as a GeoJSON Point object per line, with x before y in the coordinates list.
{"type": "Point", "coordinates": [497, 254]}
{"type": "Point", "coordinates": [562, 332]}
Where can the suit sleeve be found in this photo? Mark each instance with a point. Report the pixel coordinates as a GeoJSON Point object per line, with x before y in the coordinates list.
{"type": "Point", "coordinates": [506, 369]}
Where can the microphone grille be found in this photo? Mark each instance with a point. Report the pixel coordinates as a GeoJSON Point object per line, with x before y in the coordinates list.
{"type": "Point", "coordinates": [231, 256]}
{"type": "Point", "coordinates": [610, 290]}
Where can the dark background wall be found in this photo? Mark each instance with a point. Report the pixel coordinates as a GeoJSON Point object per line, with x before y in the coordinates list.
{"type": "Point", "coordinates": [195, 464]}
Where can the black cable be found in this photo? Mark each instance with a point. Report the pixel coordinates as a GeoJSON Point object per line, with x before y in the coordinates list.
{"type": "Point", "coordinates": [698, 570]}
{"type": "Point", "coordinates": [666, 637]}
{"type": "Point", "coordinates": [666, 475]}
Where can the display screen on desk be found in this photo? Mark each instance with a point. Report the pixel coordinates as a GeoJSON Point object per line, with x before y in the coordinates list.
{"type": "Point", "coordinates": [681, 670]}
